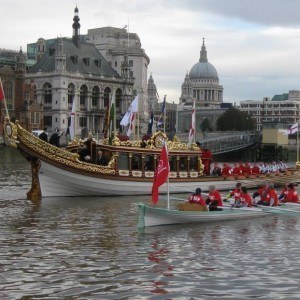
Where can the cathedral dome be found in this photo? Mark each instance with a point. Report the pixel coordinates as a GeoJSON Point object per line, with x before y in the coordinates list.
{"type": "Point", "coordinates": [203, 69]}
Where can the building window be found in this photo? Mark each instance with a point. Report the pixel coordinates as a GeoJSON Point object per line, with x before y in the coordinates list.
{"type": "Point", "coordinates": [47, 93]}
{"type": "Point", "coordinates": [82, 121]}
{"type": "Point", "coordinates": [83, 95]}
{"type": "Point", "coordinates": [95, 96]}
{"type": "Point", "coordinates": [48, 121]}
{"type": "Point", "coordinates": [130, 63]}
{"type": "Point", "coordinates": [116, 63]}
{"type": "Point", "coordinates": [34, 118]}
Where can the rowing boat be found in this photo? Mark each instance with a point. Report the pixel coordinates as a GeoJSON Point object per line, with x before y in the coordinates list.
{"type": "Point", "coordinates": [155, 216]}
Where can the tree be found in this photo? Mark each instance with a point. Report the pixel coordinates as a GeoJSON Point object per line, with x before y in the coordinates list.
{"type": "Point", "coordinates": [234, 119]}
{"type": "Point", "coordinates": [205, 126]}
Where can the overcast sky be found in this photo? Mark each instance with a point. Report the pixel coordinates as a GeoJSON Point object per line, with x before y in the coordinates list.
{"type": "Point", "coordinates": [253, 44]}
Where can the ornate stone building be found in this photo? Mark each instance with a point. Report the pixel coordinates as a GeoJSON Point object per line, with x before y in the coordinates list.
{"type": "Point", "coordinates": [202, 84]}
{"type": "Point", "coordinates": [152, 94]}
{"type": "Point", "coordinates": [74, 70]}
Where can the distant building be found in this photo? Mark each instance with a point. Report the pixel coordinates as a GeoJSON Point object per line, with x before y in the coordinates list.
{"type": "Point", "coordinates": [201, 84]}
{"type": "Point", "coordinates": [114, 43]}
{"type": "Point", "coordinates": [73, 70]}
{"type": "Point", "coordinates": [19, 96]}
{"type": "Point", "coordinates": [284, 109]}
{"type": "Point", "coordinates": [184, 117]}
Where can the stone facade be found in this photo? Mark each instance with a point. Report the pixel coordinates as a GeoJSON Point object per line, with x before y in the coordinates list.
{"type": "Point", "coordinates": [114, 44]}
{"type": "Point", "coordinates": [73, 70]}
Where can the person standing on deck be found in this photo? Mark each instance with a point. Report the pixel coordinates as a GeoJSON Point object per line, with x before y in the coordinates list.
{"type": "Point", "coordinates": [206, 157]}
{"type": "Point", "coordinates": [54, 139]}
{"type": "Point", "coordinates": [43, 135]}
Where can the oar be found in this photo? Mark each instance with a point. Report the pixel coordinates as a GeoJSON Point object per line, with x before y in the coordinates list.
{"type": "Point", "coordinates": [278, 210]}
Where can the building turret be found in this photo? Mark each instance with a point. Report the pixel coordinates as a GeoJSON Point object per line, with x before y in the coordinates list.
{"type": "Point", "coordinates": [60, 57]}
{"type": "Point", "coordinates": [76, 28]}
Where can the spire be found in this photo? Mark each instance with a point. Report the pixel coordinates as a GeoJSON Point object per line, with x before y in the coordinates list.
{"type": "Point", "coordinates": [76, 27]}
{"type": "Point", "coordinates": [203, 53]}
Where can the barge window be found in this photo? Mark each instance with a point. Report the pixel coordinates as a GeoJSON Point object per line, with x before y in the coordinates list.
{"type": "Point", "coordinates": [149, 163]}
{"type": "Point", "coordinates": [183, 163]}
{"type": "Point", "coordinates": [194, 163]}
{"type": "Point", "coordinates": [123, 161]}
{"type": "Point", "coordinates": [136, 162]}
{"type": "Point", "coordinates": [172, 161]}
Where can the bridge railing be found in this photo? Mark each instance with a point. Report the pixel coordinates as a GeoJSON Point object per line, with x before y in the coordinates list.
{"type": "Point", "coordinates": [228, 143]}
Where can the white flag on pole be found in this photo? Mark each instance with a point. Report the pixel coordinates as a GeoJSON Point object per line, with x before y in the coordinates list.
{"type": "Point", "coordinates": [131, 123]}
{"type": "Point", "coordinates": [72, 123]}
{"type": "Point", "coordinates": [133, 108]}
{"type": "Point", "coordinates": [192, 127]}
{"type": "Point", "coordinates": [293, 129]}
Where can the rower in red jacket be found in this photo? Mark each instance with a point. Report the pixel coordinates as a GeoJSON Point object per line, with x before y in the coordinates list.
{"type": "Point", "coordinates": [197, 198]}
{"type": "Point", "coordinates": [268, 195]}
{"type": "Point", "coordinates": [246, 199]}
{"type": "Point", "coordinates": [236, 193]}
{"type": "Point", "coordinates": [255, 169]}
{"type": "Point", "coordinates": [291, 195]}
{"type": "Point", "coordinates": [236, 169]}
{"type": "Point", "coordinates": [226, 170]}
{"type": "Point", "coordinates": [214, 199]}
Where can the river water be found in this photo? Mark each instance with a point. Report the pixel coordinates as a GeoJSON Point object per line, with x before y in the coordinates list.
{"type": "Point", "coordinates": [89, 248]}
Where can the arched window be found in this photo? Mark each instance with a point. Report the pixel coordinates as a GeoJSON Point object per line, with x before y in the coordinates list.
{"type": "Point", "coordinates": [118, 99]}
{"type": "Point", "coordinates": [106, 97]}
{"type": "Point", "coordinates": [71, 94]}
{"type": "Point", "coordinates": [83, 96]}
{"type": "Point", "coordinates": [95, 97]}
{"type": "Point", "coordinates": [47, 92]}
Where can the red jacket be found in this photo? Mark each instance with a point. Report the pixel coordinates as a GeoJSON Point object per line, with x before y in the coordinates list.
{"type": "Point", "coordinates": [246, 198]}
{"type": "Point", "coordinates": [236, 193]}
{"type": "Point", "coordinates": [197, 199]}
{"type": "Point", "coordinates": [291, 196]}
{"type": "Point", "coordinates": [215, 195]}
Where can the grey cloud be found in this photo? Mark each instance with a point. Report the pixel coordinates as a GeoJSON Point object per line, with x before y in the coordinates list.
{"type": "Point", "coordinates": [269, 12]}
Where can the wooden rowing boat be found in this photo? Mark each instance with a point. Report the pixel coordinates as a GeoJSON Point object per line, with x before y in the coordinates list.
{"type": "Point", "coordinates": [129, 171]}
{"type": "Point", "coordinates": [155, 216]}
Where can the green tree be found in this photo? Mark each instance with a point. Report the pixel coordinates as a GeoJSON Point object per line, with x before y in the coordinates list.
{"type": "Point", "coordinates": [234, 119]}
{"type": "Point", "coordinates": [205, 126]}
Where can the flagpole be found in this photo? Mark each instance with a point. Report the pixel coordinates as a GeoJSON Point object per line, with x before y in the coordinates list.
{"type": "Point", "coordinates": [297, 142]}
{"type": "Point", "coordinates": [4, 100]}
{"type": "Point", "coordinates": [138, 125]}
{"type": "Point", "coordinates": [165, 110]}
{"type": "Point", "coordinates": [195, 121]}
{"type": "Point", "coordinates": [115, 114]}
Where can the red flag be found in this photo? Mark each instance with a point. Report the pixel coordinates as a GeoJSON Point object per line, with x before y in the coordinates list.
{"type": "Point", "coordinates": [1, 92]}
{"type": "Point", "coordinates": [161, 173]}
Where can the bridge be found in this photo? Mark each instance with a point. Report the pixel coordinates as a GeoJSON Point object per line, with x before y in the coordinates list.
{"type": "Point", "coordinates": [223, 142]}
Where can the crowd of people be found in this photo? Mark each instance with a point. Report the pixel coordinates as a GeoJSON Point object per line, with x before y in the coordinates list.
{"type": "Point", "coordinates": [247, 169]}
{"type": "Point", "coordinates": [54, 138]}
{"type": "Point", "coordinates": [240, 197]}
